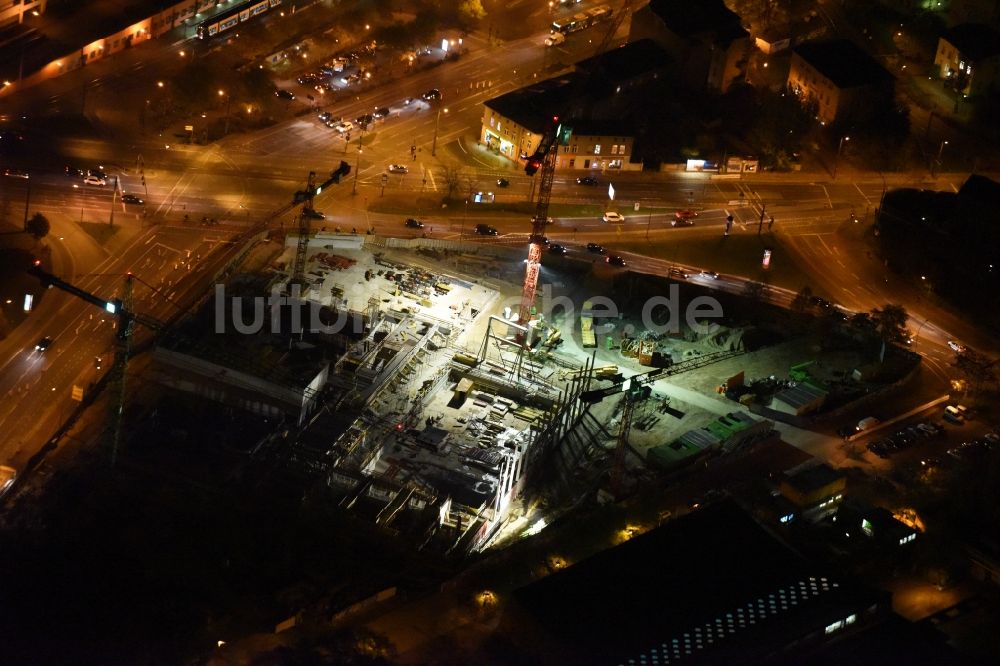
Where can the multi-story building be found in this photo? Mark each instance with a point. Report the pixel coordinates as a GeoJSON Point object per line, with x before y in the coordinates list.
{"type": "Point", "coordinates": [837, 75]}
{"type": "Point", "coordinates": [13, 11]}
{"type": "Point", "coordinates": [514, 123]}
{"type": "Point", "coordinates": [968, 58]}
{"type": "Point", "coordinates": [594, 100]}
{"type": "Point", "coordinates": [706, 40]}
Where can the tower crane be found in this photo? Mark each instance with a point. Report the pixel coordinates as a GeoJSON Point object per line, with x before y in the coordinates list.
{"type": "Point", "coordinates": [306, 197]}
{"type": "Point", "coordinates": [544, 159]}
{"type": "Point", "coordinates": [635, 388]}
{"type": "Point", "coordinates": [121, 309]}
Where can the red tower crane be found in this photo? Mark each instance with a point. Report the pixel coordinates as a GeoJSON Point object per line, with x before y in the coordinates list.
{"type": "Point", "coordinates": [544, 159]}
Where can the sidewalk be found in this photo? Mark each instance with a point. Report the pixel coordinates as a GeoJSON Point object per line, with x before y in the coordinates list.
{"type": "Point", "coordinates": [473, 153]}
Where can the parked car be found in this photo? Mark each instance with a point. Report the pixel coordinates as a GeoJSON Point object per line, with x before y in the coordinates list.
{"type": "Point", "coordinates": [557, 249]}
{"type": "Point", "coordinates": [502, 182]}
{"type": "Point", "coordinates": [131, 199]}
{"type": "Point", "coordinates": [284, 94]}
{"type": "Point", "coordinates": [594, 248]}
{"type": "Point", "coordinates": [43, 344]}
{"type": "Point", "coordinates": [820, 302]}
{"type": "Point", "coordinates": [615, 260]}
{"type": "Point", "coordinates": [612, 217]}
{"type": "Point", "coordinates": [486, 230]}
{"type": "Point", "coordinates": [413, 224]}
{"type": "Point", "coordinates": [94, 180]}
{"type": "Point", "coordinates": [586, 180]}
{"type": "Point", "coordinates": [307, 79]}
{"type": "Point", "coordinates": [398, 168]}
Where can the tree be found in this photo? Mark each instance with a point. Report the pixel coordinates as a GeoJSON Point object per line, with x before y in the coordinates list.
{"type": "Point", "coordinates": [890, 323]}
{"type": "Point", "coordinates": [977, 368]}
{"type": "Point", "coordinates": [38, 226]}
{"type": "Point", "coordinates": [470, 11]}
{"type": "Point", "coordinates": [453, 180]}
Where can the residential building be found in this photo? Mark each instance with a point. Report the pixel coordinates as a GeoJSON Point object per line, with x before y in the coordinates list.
{"type": "Point", "coordinates": [706, 40]}
{"type": "Point", "coordinates": [813, 486]}
{"type": "Point", "coordinates": [837, 75]}
{"type": "Point", "coordinates": [594, 100]}
{"type": "Point", "coordinates": [597, 145]}
{"type": "Point", "coordinates": [968, 58]}
{"type": "Point", "coordinates": [860, 520]}
{"type": "Point", "coordinates": [13, 11]}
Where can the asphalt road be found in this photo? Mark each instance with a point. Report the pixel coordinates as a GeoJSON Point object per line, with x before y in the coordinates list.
{"type": "Point", "coordinates": [243, 178]}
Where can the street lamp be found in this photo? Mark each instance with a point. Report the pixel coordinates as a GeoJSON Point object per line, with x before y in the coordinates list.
{"type": "Point", "coordinates": [937, 161]}
{"type": "Point", "coordinates": [229, 99]}
{"type": "Point", "coordinates": [357, 164]}
{"type": "Point", "coordinates": [437, 121]}
{"type": "Point", "coordinates": [836, 159]}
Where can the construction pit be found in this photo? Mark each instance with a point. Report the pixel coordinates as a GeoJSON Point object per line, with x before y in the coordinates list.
{"type": "Point", "coordinates": [435, 419]}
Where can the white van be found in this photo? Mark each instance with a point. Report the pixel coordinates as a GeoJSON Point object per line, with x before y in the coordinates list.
{"type": "Point", "coordinates": [555, 39]}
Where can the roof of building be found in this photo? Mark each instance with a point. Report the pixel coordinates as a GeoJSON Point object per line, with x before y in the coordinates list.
{"type": "Point", "coordinates": [981, 190]}
{"type": "Point", "coordinates": [628, 60]}
{"type": "Point", "coordinates": [843, 62]}
{"type": "Point", "coordinates": [812, 478]}
{"type": "Point", "coordinates": [691, 19]}
{"type": "Point", "coordinates": [668, 455]}
{"type": "Point", "coordinates": [800, 395]}
{"type": "Point", "coordinates": [534, 106]}
{"type": "Point", "coordinates": [974, 41]}
{"type": "Point", "coordinates": [712, 583]}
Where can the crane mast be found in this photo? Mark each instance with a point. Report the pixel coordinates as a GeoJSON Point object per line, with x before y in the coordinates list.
{"type": "Point", "coordinates": [306, 198]}
{"type": "Point", "coordinates": [121, 308]}
{"type": "Point", "coordinates": [544, 159]}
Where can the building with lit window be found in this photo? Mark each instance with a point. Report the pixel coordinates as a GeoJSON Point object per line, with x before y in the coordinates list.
{"type": "Point", "coordinates": [513, 125]}
{"type": "Point", "coordinates": [14, 11]}
{"type": "Point", "coordinates": [836, 76]}
{"type": "Point", "coordinates": [710, 587]}
{"type": "Point", "coordinates": [968, 58]}
{"type": "Point", "coordinates": [815, 489]}
{"type": "Point", "coordinates": [594, 100]}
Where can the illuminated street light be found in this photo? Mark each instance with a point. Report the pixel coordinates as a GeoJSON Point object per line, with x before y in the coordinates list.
{"type": "Point", "coordinates": [229, 100]}
{"type": "Point", "coordinates": [437, 121]}
{"type": "Point", "coordinates": [937, 162]}
{"type": "Point", "coordinates": [840, 147]}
